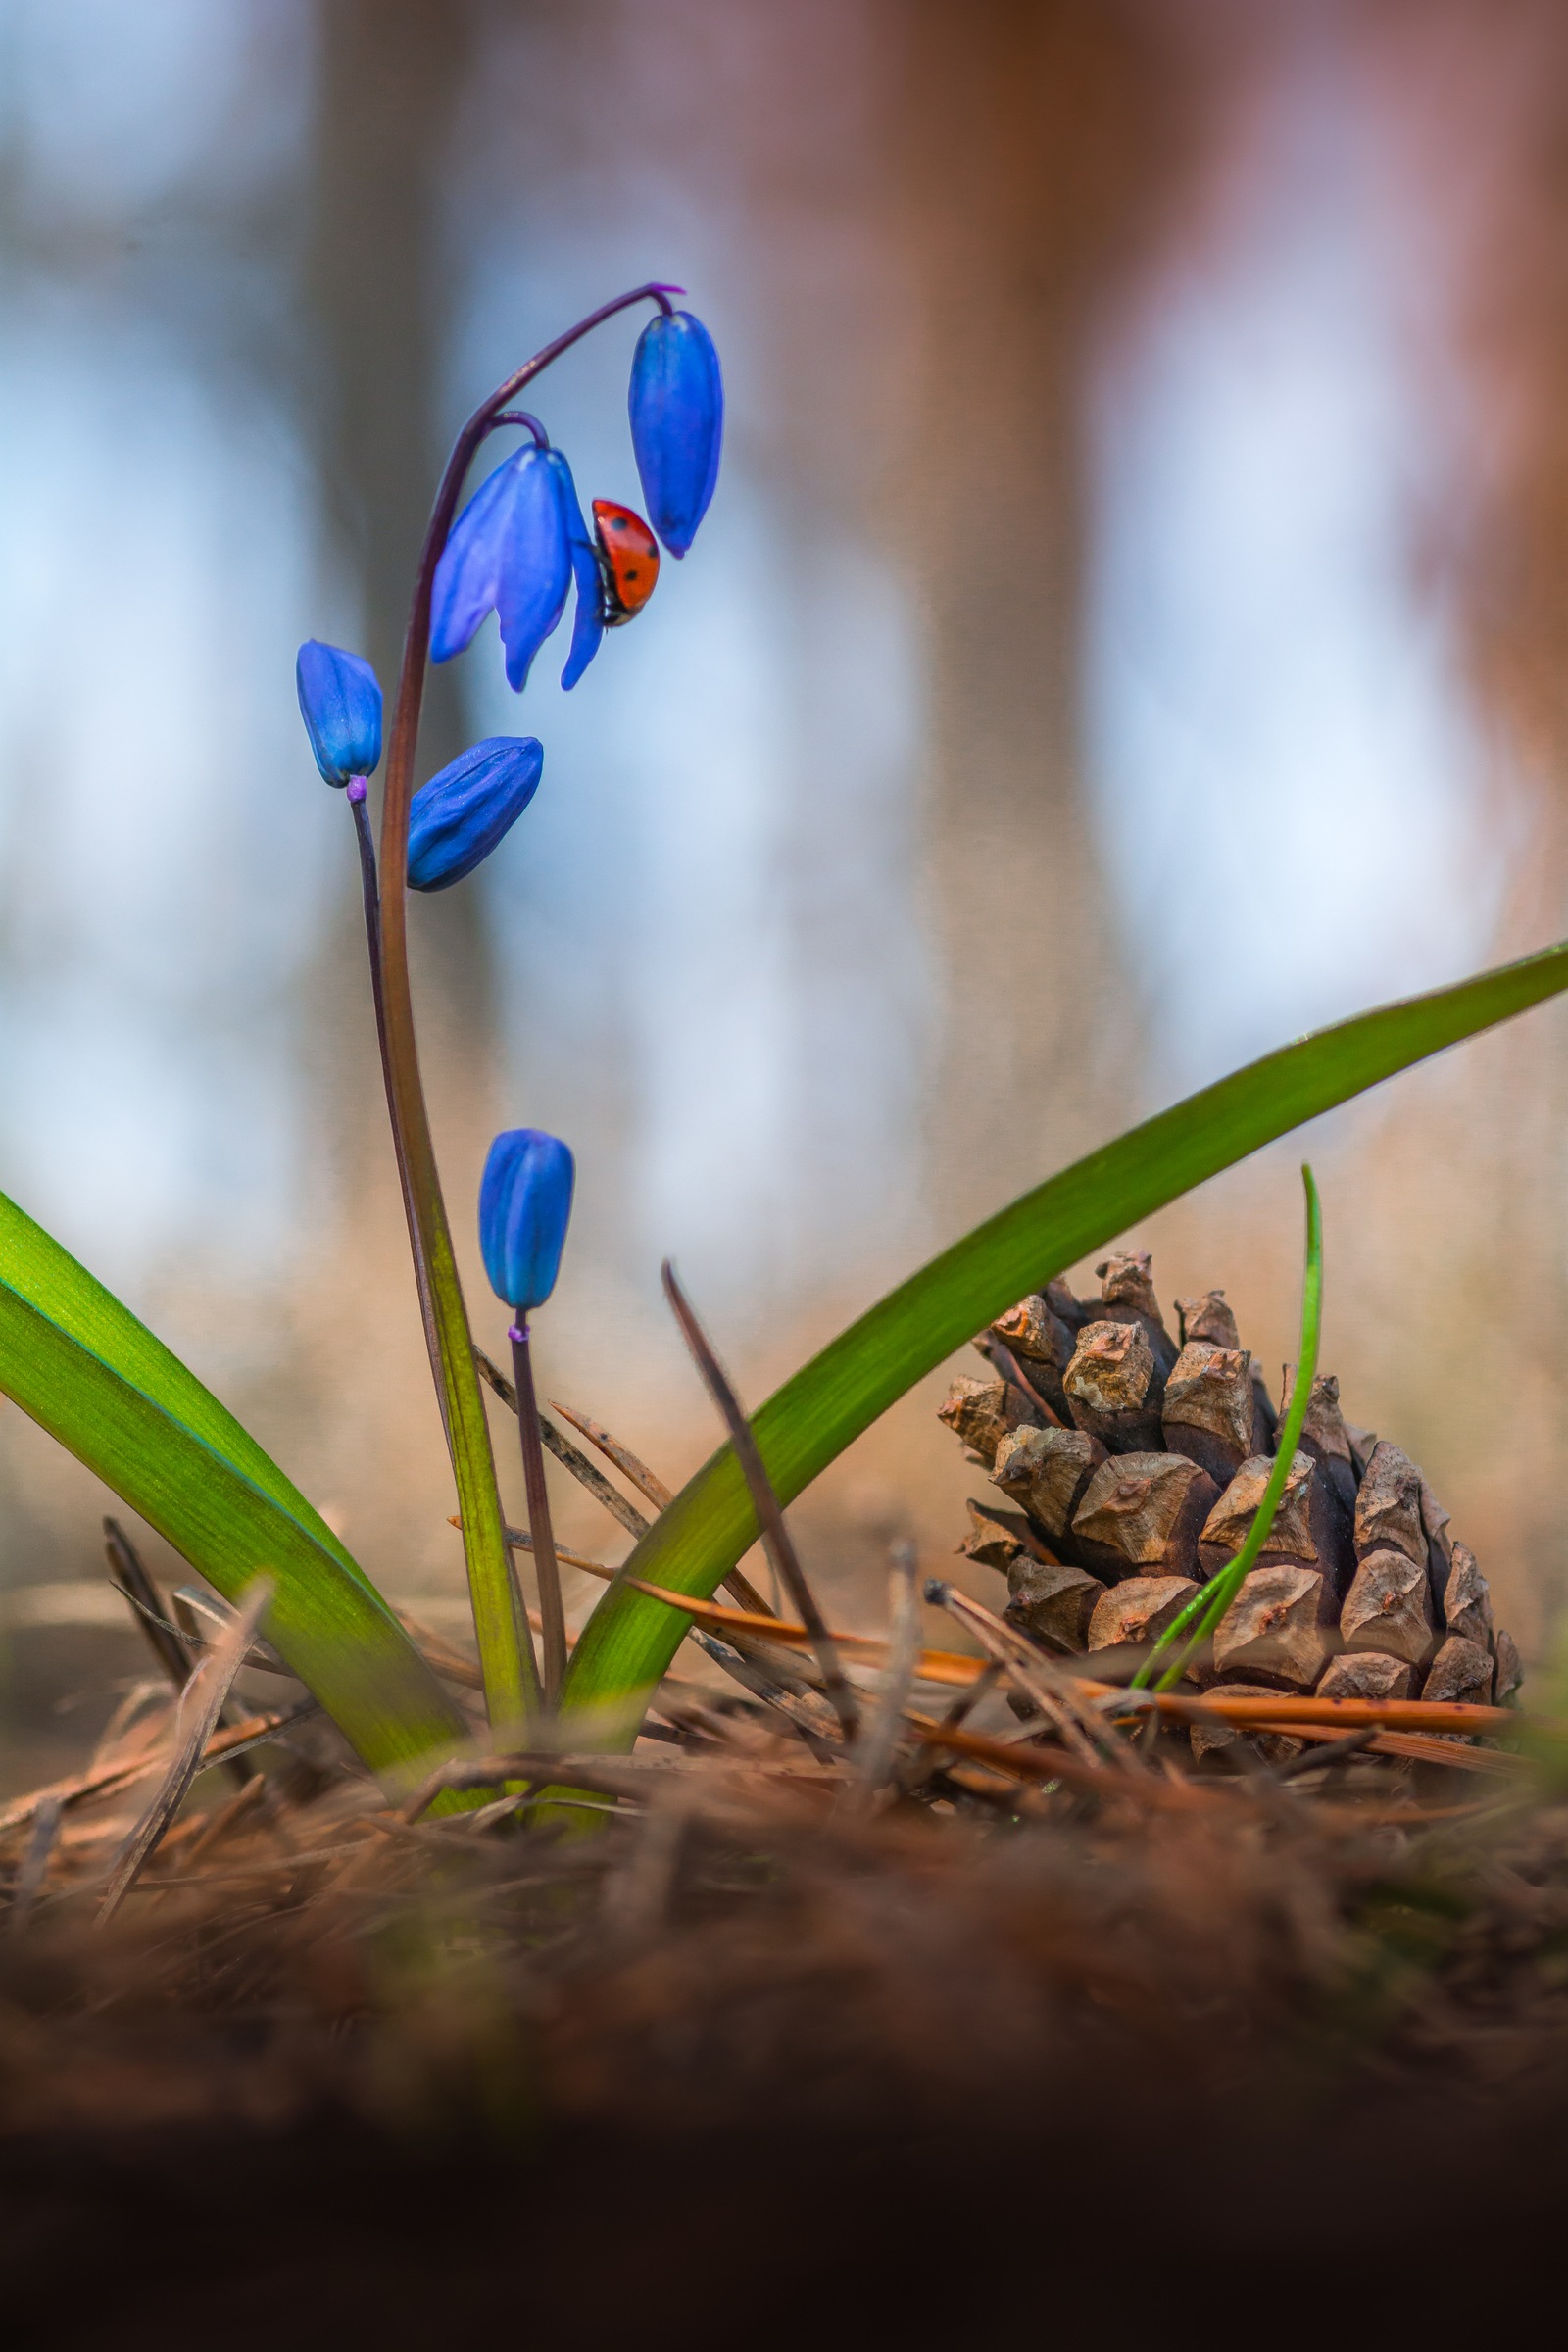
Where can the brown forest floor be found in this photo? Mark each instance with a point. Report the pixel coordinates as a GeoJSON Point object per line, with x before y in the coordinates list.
{"type": "Point", "coordinates": [763, 2060]}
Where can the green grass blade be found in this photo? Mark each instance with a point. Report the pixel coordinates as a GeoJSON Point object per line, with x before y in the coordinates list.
{"type": "Point", "coordinates": [630, 1639]}
{"type": "Point", "coordinates": [1211, 1604]}
{"type": "Point", "coordinates": [79, 1364]}
{"type": "Point", "coordinates": [512, 1697]}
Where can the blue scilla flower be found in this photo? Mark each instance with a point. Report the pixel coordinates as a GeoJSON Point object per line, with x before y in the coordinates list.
{"type": "Point", "coordinates": [677, 423]}
{"type": "Point", "coordinates": [590, 620]}
{"type": "Point", "coordinates": [340, 702]}
{"type": "Point", "coordinates": [524, 1210]}
{"type": "Point", "coordinates": [460, 815]}
{"type": "Point", "coordinates": [514, 549]}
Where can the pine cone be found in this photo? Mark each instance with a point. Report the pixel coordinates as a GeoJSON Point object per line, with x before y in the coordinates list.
{"type": "Point", "coordinates": [1134, 1464]}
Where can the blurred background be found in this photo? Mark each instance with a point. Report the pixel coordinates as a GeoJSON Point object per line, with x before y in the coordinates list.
{"type": "Point", "coordinates": [1130, 630]}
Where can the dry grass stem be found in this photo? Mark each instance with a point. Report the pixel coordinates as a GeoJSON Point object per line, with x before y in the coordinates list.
{"type": "Point", "coordinates": [1414, 1717]}
{"type": "Point", "coordinates": [1053, 1692]}
{"type": "Point", "coordinates": [127, 1569]}
{"type": "Point", "coordinates": [1420, 1749]}
{"type": "Point", "coordinates": [879, 1746]}
{"type": "Point", "coordinates": [951, 1667]}
{"type": "Point", "coordinates": [569, 1456]}
{"type": "Point", "coordinates": [448, 1661]}
{"type": "Point", "coordinates": [918, 1767]}
{"type": "Point", "coordinates": [521, 1541]}
{"type": "Point", "coordinates": [652, 1488]}
{"type": "Point", "coordinates": [151, 1702]}
{"type": "Point", "coordinates": [810, 1718]}
{"type": "Point", "coordinates": [110, 1780]}
{"type": "Point", "coordinates": [204, 1699]}
{"type": "Point", "coordinates": [226, 1818]}
{"type": "Point", "coordinates": [1324, 1760]}
{"type": "Point", "coordinates": [35, 1863]}
{"type": "Point", "coordinates": [777, 1540]}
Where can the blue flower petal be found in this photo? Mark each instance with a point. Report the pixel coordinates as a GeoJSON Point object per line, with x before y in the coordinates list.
{"type": "Point", "coordinates": [524, 1210]}
{"type": "Point", "coordinates": [588, 622]}
{"type": "Point", "coordinates": [340, 702]}
{"type": "Point", "coordinates": [677, 423]}
{"type": "Point", "coordinates": [588, 625]}
{"type": "Point", "coordinates": [470, 569]}
{"type": "Point", "coordinates": [460, 815]}
{"type": "Point", "coordinates": [535, 559]}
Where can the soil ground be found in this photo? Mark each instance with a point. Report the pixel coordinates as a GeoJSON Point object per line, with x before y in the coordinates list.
{"type": "Point", "coordinates": [766, 2072]}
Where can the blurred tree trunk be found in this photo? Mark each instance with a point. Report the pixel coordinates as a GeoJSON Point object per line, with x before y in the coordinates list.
{"type": "Point", "coordinates": [375, 293]}
{"type": "Point", "coordinates": [377, 290]}
{"type": "Point", "coordinates": [1036, 144]}
{"type": "Point", "coordinates": [380, 281]}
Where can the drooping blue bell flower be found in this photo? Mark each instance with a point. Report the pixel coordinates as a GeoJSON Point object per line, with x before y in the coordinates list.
{"type": "Point", "coordinates": [677, 423]}
{"type": "Point", "coordinates": [460, 815]}
{"type": "Point", "coordinates": [340, 702]}
{"type": "Point", "coordinates": [524, 1210]}
{"type": "Point", "coordinates": [588, 621]}
{"type": "Point", "coordinates": [514, 549]}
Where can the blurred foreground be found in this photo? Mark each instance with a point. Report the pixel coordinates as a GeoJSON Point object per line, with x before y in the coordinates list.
{"type": "Point", "coordinates": [893, 2061]}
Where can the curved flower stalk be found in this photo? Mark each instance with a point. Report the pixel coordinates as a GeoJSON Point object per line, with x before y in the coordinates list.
{"type": "Point", "coordinates": [340, 702]}
{"type": "Point", "coordinates": [508, 553]}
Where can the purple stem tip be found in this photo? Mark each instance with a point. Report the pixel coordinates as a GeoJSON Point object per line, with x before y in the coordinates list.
{"type": "Point", "coordinates": [356, 788]}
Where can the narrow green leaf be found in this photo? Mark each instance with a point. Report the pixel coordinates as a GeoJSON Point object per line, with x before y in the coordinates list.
{"type": "Point", "coordinates": [630, 1639]}
{"type": "Point", "coordinates": [79, 1364]}
{"type": "Point", "coordinates": [1209, 1604]}
{"type": "Point", "coordinates": [512, 1697]}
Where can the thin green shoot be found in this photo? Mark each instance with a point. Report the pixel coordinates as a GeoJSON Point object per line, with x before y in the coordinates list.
{"type": "Point", "coordinates": [1209, 1605]}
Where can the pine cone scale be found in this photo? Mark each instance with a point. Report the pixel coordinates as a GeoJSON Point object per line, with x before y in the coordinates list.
{"type": "Point", "coordinates": [1138, 1462]}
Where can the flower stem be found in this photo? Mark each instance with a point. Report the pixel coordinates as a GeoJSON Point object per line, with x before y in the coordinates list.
{"type": "Point", "coordinates": [552, 1616]}
{"type": "Point", "coordinates": [372, 938]}
{"type": "Point", "coordinates": [511, 1678]}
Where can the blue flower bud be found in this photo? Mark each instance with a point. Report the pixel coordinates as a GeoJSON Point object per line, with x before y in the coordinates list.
{"type": "Point", "coordinates": [510, 549]}
{"type": "Point", "coordinates": [340, 702]}
{"type": "Point", "coordinates": [524, 1210]}
{"type": "Point", "coordinates": [677, 423]}
{"type": "Point", "coordinates": [460, 815]}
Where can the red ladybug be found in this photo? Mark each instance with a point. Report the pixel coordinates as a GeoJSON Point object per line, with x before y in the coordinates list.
{"type": "Point", "coordinates": [628, 561]}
